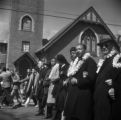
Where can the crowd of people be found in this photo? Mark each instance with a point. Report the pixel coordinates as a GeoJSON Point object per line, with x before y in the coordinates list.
{"type": "Point", "coordinates": [80, 90]}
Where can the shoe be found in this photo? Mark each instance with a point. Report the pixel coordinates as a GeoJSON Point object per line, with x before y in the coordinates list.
{"type": "Point", "coordinates": [1, 107]}
{"type": "Point", "coordinates": [19, 105]}
{"type": "Point", "coordinates": [36, 106]}
{"type": "Point", "coordinates": [25, 105]}
{"type": "Point", "coordinates": [14, 107]}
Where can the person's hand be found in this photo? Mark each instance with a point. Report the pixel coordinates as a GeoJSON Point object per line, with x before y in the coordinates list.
{"type": "Point", "coordinates": [85, 74]}
{"type": "Point", "coordinates": [1, 82]}
{"type": "Point", "coordinates": [111, 93]}
{"type": "Point", "coordinates": [73, 81]}
{"type": "Point", "coordinates": [65, 82]}
{"type": "Point", "coordinates": [109, 82]}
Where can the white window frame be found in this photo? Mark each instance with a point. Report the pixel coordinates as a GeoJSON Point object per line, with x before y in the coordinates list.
{"type": "Point", "coordinates": [20, 23]}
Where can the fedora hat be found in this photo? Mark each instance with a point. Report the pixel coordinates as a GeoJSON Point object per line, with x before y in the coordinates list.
{"type": "Point", "coordinates": [109, 40]}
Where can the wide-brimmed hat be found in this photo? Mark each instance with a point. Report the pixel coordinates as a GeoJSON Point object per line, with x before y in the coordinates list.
{"type": "Point", "coordinates": [108, 40]}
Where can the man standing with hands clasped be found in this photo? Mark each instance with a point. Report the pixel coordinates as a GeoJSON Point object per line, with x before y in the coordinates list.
{"type": "Point", "coordinates": [107, 95]}
{"type": "Point", "coordinates": [78, 104]}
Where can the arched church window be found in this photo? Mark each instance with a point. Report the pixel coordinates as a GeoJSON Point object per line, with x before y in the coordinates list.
{"type": "Point", "coordinates": [89, 39]}
{"type": "Point", "coordinates": [26, 23]}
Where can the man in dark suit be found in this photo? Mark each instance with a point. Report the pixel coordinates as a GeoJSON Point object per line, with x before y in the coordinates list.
{"type": "Point", "coordinates": [78, 104]}
{"type": "Point", "coordinates": [42, 93]}
{"type": "Point", "coordinates": [107, 95]}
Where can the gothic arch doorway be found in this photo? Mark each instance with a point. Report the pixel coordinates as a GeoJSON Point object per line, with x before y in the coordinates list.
{"type": "Point", "coordinates": [89, 38]}
{"type": "Point", "coordinates": [26, 61]}
{"type": "Point", "coordinates": [23, 65]}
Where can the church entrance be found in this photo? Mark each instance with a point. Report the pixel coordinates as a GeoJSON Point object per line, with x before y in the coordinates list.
{"type": "Point", "coordinates": [23, 65]}
{"type": "Point", "coordinates": [25, 62]}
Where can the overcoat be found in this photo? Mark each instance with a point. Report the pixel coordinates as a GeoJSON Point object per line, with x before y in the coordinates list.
{"type": "Point", "coordinates": [116, 104]}
{"type": "Point", "coordinates": [40, 87]}
{"type": "Point", "coordinates": [105, 108]}
{"type": "Point", "coordinates": [79, 99]}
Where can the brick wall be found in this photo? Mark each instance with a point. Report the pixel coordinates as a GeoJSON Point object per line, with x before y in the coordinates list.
{"type": "Point", "coordinates": [32, 8]}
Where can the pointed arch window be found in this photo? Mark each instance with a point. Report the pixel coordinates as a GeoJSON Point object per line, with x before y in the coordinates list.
{"type": "Point", "coordinates": [26, 23]}
{"type": "Point", "coordinates": [89, 39]}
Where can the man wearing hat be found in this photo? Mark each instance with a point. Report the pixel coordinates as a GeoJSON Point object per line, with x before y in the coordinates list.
{"type": "Point", "coordinates": [107, 95]}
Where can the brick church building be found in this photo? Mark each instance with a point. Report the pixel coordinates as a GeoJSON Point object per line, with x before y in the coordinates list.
{"type": "Point", "coordinates": [25, 34]}
{"type": "Point", "coordinates": [88, 28]}
{"type": "Point", "coordinates": [25, 46]}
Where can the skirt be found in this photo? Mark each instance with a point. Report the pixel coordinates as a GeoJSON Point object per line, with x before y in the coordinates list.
{"type": "Point", "coordinates": [50, 98]}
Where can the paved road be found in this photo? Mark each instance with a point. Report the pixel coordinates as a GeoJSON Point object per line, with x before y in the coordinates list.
{"type": "Point", "coordinates": [24, 113]}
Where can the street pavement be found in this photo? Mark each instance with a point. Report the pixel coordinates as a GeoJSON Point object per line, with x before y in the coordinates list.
{"type": "Point", "coordinates": [23, 113]}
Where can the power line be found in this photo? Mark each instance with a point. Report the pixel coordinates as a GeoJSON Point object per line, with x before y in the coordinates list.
{"type": "Point", "coordinates": [61, 12]}
{"type": "Point", "coordinates": [112, 24]}
{"type": "Point", "coordinates": [33, 6]}
{"type": "Point", "coordinates": [50, 15]}
{"type": "Point", "coordinates": [47, 10]}
{"type": "Point", "coordinates": [37, 13]}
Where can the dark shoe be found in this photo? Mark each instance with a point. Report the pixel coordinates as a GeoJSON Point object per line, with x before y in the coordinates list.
{"type": "Point", "coordinates": [17, 106]}
{"type": "Point", "coordinates": [57, 115]}
{"type": "Point", "coordinates": [14, 107]}
{"type": "Point", "coordinates": [49, 111]}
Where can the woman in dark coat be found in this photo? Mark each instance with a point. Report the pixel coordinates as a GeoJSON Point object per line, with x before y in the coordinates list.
{"type": "Point", "coordinates": [82, 78]}
{"type": "Point", "coordinates": [62, 89]}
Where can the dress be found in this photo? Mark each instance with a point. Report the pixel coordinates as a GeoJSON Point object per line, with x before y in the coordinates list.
{"type": "Point", "coordinates": [50, 98]}
{"type": "Point", "coordinates": [54, 75]}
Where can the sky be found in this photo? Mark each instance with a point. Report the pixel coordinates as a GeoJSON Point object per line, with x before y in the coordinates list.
{"type": "Point", "coordinates": [109, 10]}
{"type": "Point", "coordinates": [4, 21]}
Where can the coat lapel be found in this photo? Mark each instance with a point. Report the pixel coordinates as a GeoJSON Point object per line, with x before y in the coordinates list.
{"type": "Point", "coordinates": [105, 65]}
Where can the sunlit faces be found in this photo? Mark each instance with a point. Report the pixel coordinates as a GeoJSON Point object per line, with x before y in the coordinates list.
{"type": "Point", "coordinates": [80, 50]}
{"type": "Point", "coordinates": [106, 48]}
{"type": "Point", "coordinates": [73, 54]}
{"type": "Point", "coordinates": [44, 60]}
{"type": "Point", "coordinates": [33, 70]}
{"type": "Point", "coordinates": [40, 64]}
{"type": "Point", "coordinates": [28, 70]}
{"type": "Point", "coordinates": [53, 62]}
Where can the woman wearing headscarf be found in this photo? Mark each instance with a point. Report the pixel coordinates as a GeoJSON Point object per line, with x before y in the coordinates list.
{"type": "Point", "coordinates": [53, 76]}
{"type": "Point", "coordinates": [61, 90]}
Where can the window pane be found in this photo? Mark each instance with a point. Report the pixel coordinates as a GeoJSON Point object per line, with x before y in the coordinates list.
{"type": "Point", "coordinates": [25, 46]}
{"type": "Point", "coordinates": [3, 48]}
{"type": "Point", "coordinates": [90, 40]}
{"type": "Point", "coordinates": [93, 44]}
{"type": "Point", "coordinates": [27, 23]}
{"type": "Point", "coordinates": [88, 44]}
